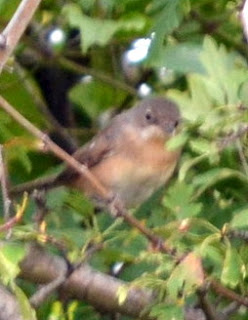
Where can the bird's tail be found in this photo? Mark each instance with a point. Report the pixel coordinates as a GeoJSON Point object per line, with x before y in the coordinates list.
{"type": "Point", "coordinates": [40, 183]}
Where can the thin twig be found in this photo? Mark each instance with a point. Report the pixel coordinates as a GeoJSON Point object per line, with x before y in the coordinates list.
{"type": "Point", "coordinates": [45, 291]}
{"type": "Point", "coordinates": [206, 306]}
{"type": "Point", "coordinates": [19, 214]}
{"type": "Point", "coordinates": [15, 28]}
{"type": "Point", "coordinates": [233, 137]}
{"type": "Point", "coordinates": [242, 156]}
{"type": "Point", "coordinates": [114, 205]}
{"type": "Point", "coordinates": [51, 121]}
{"type": "Point", "coordinates": [227, 293]}
{"type": "Point", "coordinates": [3, 178]}
{"type": "Point", "coordinates": [75, 67]}
{"type": "Point", "coordinates": [59, 152]}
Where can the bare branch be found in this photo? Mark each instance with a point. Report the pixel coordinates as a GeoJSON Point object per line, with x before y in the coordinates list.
{"type": "Point", "coordinates": [15, 28]}
{"type": "Point", "coordinates": [3, 178]}
{"type": "Point", "coordinates": [9, 308]}
{"type": "Point", "coordinates": [84, 283]}
{"type": "Point", "coordinates": [114, 205]}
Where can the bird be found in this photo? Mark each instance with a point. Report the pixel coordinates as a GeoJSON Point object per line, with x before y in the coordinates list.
{"type": "Point", "coordinates": [129, 157]}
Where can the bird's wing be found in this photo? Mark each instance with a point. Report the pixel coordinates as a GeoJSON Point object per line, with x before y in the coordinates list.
{"type": "Point", "coordinates": [91, 154]}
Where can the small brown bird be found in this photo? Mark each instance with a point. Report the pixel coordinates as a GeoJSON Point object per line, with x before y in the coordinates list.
{"type": "Point", "coordinates": [129, 157]}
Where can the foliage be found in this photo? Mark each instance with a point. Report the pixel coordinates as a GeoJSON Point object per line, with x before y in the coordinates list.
{"type": "Point", "coordinates": [198, 57]}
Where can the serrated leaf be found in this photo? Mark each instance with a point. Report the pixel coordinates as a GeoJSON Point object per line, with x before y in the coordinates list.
{"type": "Point", "coordinates": [96, 31]}
{"type": "Point", "coordinates": [232, 268]}
{"type": "Point", "coordinates": [187, 276]}
{"type": "Point", "coordinates": [179, 200]}
{"type": "Point", "coordinates": [225, 75]}
{"type": "Point", "coordinates": [196, 104]}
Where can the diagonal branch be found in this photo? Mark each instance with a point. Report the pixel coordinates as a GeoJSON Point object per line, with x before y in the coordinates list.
{"type": "Point", "coordinates": [115, 207]}
{"type": "Point", "coordinates": [15, 28]}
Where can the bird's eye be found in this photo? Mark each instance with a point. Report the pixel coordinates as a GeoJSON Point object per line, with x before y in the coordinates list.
{"type": "Point", "coordinates": [148, 116]}
{"type": "Point", "coordinates": [176, 123]}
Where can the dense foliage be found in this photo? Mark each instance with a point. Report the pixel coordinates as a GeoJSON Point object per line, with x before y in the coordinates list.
{"type": "Point", "coordinates": [196, 54]}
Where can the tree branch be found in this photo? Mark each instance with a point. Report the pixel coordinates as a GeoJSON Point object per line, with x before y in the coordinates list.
{"type": "Point", "coordinates": [114, 205]}
{"type": "Point", "coordinates": [15, 28]}
{"type": "Point", "coordinates": [3, 179]}
{"type": "Point", "coordinates": [84, 283]}
{"type": "Point", "coordinates": [9, 308]}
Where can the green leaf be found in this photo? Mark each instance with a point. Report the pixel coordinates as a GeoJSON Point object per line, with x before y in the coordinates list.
{"type": "Point", "coordinates": [165, 311]}
{"type": "Point", "coordinates": [179, 200]}
{"type": "Point", "coordinates": [225, 75]}
{"type": "Point", "coordinates": [213, 176]}
{"type": "Point", "coordinates": [27, 312]}
{"type": "Point", "coordinates": [167, 20]}
{"type": "Point", "coordinates": [177, 141]}
{"type": "Point", "coordinates": [182, 58]}
{"type": "Point", "coordinates": [232, 268]}
{"type": "Point", "coordinates": [187, 276]}
{"type": "Point", "coordinates": [200, 145]}
{"type": "Point", "coordinates": [95, 97]}
{"type": "Point", "coordinates": [8, 8]}
{"type": "Point", "coordinates": [240, 219]}
{"type": "Point", "coordinates": [9, 260]}
{"type": "Point", "coordinates": [196, 104]}
{"type": "Point", "coordinates": [96, 31]}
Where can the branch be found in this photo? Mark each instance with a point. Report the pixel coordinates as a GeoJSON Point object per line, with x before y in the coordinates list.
{"type": "Point", "coordinates": [9, 308]}
{"type": "Point", "coordinates": [15, 28]}
{"type": "Point", "coordinates": [84, 283]}
{"type": "Point", "coordinates": [79, 69]}
{"type": "Point", "coordinates": [3, 179]}
{"type": "Point", "coordinates": [113, 204]}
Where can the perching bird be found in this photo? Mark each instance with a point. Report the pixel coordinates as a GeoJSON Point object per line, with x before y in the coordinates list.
{"type": "Point", "coordinates": [129, 157]}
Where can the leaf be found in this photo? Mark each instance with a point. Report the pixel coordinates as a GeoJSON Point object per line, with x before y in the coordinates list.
{"type": "Point", "coordinates": [200, 145]}
{"type": "Point", "coordinates": [165, 311]}
{"type": "Point", "coordinates": [10, 256]}
{"type": "Point", "coordinates": [177, 141]}
{"type": "Point", "coordinates": [96, 31]}
{"type": "Point", "coordinates": [27, 312]}
{"type": "Point", "coordinates": [95, 97]}
{"type": "Point", "coordinates": [240, 219]}
{"type": "Point", "coordinates": [178, 200]}
{"type": "Point", "coordinates": [167, 20]}
{"type": "Point", "coordinates": [187, 276]}
{"type": "Point", "coordinates": [213, 176]}
{"type": "Point", "coordinates": [7, 8]}
{"type": "Point", "coordinates": [182, 57]}
{"type": "Point", "coordinates": [225, 74]}
{"type": "Point", "coordinates": [232, 268]}
{"type": "Point", "coordinates": [196, 104]}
